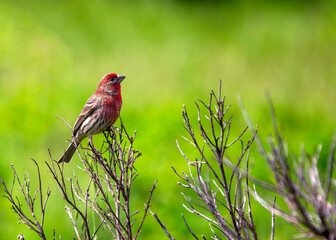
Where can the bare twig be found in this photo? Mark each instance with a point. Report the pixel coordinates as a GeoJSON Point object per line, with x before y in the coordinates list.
{"type": "Point", "coordinates": [239, 225]}
{"type": "Point", "coordinates": [147, 205]}
{"type": "Point", "coordinates": [111, 172]}
{"type": "Point", "coordinates": [162, 225]}
{"type": "Point", "coordinates": [29, 200]}
{"type": "Point", "coordinates": [273, 221]}
{"type": "Point", "coordinates": [306, 196]}
{"type": "Point", "coordinates": [191, 232]}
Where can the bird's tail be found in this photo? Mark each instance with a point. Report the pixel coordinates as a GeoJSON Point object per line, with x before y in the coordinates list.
{"type": "Point", "coordinates": [69, 152]}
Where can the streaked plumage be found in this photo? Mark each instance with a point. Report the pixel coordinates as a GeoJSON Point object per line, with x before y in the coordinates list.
{"type": "Point", "coordinates": [100, 111]}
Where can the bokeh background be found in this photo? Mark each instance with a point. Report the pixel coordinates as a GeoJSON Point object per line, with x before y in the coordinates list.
{"type": "Point", "coordinates": [53, 53]}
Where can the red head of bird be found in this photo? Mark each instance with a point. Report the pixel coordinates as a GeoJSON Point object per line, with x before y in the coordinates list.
{"type": "Point", "coordinates": [110, 84]}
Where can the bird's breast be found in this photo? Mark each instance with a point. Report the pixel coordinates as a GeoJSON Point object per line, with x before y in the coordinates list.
{"type": "Point", "coordinates": [112, 108]}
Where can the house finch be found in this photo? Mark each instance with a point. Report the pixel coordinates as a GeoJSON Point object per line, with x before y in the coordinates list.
{"type": "Point", "coordinates": [100, 111]}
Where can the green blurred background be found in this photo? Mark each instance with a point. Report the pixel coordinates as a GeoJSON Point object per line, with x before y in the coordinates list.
{"type": "Point", "coordinates": [53, 53]}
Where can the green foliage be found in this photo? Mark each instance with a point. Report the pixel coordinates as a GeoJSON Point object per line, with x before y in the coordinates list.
{"type": "Point", "coordinates": [53, 53]}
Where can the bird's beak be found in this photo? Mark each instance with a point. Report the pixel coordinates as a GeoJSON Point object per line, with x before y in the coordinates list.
{"type": "Point", "coordinates": [120, 78]}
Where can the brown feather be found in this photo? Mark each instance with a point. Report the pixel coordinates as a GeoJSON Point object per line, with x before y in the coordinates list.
{"type": "Point", "coordinates": [69, 152]}
{"type": "Point", "coordinates": [92, 104]}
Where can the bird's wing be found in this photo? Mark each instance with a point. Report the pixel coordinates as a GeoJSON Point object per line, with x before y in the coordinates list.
{"type": "Point", "coordinates": [92, 104]}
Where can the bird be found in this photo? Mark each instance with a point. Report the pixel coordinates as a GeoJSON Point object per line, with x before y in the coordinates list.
{"type": "Point", "coordinates": [100, 112]}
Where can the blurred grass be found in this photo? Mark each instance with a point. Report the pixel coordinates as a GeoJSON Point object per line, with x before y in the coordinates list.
{"type": "Point", "coordinates": [53, 53]}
